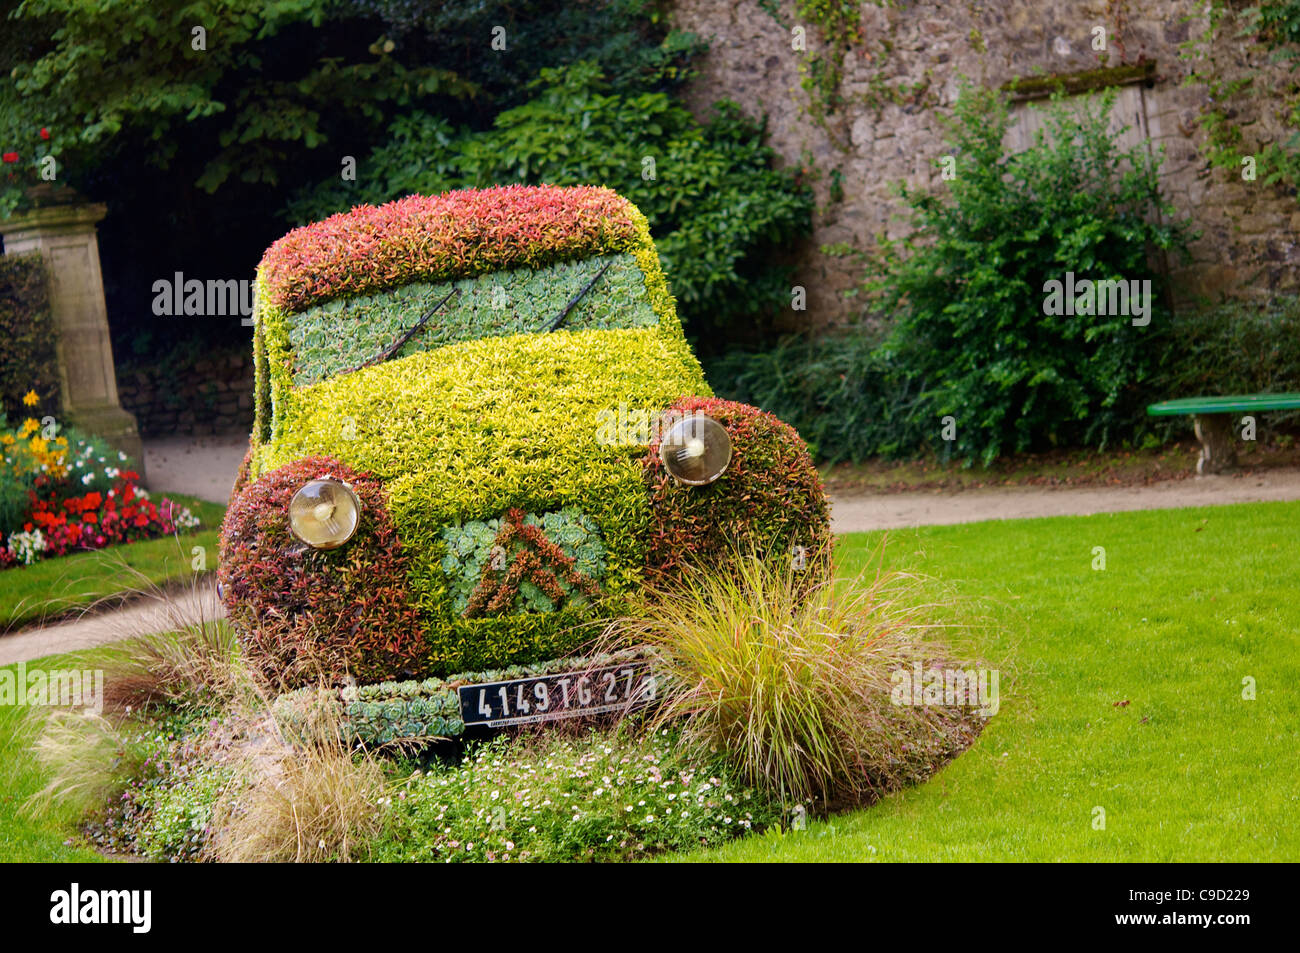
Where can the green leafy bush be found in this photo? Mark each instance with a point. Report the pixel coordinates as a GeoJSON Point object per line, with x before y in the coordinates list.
{"type": "Point", "coordinates": [601, 797]}
{"type": "Point", "coordinates": [1236, 347]}
{"type": "Point", "coordinates": [717, 207]}
{"type": "Point", "coordinates": [967, 287]}
{"type": "Point", "coordinates": [843, 395]}
{"type": "Point", "coordinates": [27, 336]}
{"type": "Point", "coordinates": [630, 40]}
{"type": "Point", "coordinates": [107, 73]}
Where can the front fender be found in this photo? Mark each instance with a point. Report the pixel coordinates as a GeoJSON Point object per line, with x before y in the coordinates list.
{"type": "Point", "coordinates": [305, 615]}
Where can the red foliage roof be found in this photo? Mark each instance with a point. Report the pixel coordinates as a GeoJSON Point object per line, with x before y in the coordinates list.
{"type": "Point", "coordinates": [439, 237]}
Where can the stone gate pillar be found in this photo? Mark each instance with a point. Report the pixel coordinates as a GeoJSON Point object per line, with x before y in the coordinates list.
{"type": "Point", "coordinates": [65, 235]}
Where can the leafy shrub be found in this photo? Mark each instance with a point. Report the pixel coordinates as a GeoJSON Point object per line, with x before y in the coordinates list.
{"type": "Point", "coordinates": [718, 227]}
{"type": "Point", "coordinates": [770, 499]}
{"type": "Point", "coordinates": [551, 797]}
{"type": "Point", "coordinates": [28, 363]}
{"type": "Point", "coordinates": [1236, 347]}
{"type": "Point", "coordinates": [843, 395]}
{"type": "Point", "coordinates": [629, 39]}
{"type": "Point", "coordinates": [967, 286]}
{"type": "Point", "coordinates": [109, 75]}
{"type": "Point", "coordinates": [792, 684]}
{"type": "Point", "coordinates": [307, 614]}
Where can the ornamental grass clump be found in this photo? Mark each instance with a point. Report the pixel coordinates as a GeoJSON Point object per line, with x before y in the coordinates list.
{"type": "Point", "coordinates": [791, 679]}
{"type": "Point", "coordinates": [312, 800]}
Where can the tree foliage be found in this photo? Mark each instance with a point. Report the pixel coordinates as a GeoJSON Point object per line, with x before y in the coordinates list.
{"type": "Point", "coordinates": [250, 84]}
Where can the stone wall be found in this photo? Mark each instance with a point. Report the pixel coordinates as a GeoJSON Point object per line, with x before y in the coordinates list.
{"type": "Point", "coordinates": [905, 74]}
{"type": "Point", "coordinates": [212, 394]}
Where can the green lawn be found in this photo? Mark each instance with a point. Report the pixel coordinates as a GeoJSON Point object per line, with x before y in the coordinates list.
{"type": "Point", "coordinates": [23, 837]}
{"type": "Point", "coordinates": [1191, 602]}
{"type": "Point", "coordinates": [53, 587]}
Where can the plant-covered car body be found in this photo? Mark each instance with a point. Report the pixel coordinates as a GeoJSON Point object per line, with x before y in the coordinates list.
{"type": "Point", "coordinates": [485, 372]}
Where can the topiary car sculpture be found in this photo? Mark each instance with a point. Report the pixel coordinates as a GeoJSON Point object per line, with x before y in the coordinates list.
{"type": "Point", "coordinates": [479, 427]}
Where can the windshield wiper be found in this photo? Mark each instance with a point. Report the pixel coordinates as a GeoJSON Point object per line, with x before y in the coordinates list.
{"type": "Point", "coordinates": [578, 297]}
{"type": "Point", "coordinates": [397, 345]}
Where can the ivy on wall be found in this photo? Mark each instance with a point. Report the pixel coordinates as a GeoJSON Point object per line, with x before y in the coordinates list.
{"type": "Point", "coordinates": [839, 25]}
{"type": "Point", "coordinates": [1275, 25]}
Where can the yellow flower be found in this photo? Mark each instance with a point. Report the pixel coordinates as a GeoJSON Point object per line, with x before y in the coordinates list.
{"type": "Point", "coordinates": [30, 398]}
{"type": "Point", "coordinates": [30, 425]}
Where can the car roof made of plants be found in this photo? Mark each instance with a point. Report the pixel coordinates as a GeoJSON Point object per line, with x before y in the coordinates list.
{"type": "Point", "coordinates": [442, 237]}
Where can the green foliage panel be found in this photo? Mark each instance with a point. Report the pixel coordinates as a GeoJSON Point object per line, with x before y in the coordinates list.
{"type": "Point", "coordinates": [345, 333]}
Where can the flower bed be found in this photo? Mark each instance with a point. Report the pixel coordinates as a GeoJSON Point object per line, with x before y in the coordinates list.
{"type": "Point", "coordinates": [62, 491]}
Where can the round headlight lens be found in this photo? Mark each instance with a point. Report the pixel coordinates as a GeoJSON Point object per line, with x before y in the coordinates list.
{"type": "Point", "coordinates": [696, 450]}
{"type": "Point", "coordinates": [324, 513]}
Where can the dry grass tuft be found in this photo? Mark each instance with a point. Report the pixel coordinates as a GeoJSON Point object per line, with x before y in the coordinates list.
{"type": "Point", "coordinates": [793, 681]}
{"type": "Point", "coordinates": [311, 801]}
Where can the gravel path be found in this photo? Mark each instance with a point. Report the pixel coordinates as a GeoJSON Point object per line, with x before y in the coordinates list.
{"type": "Point", "coordinates": [150, 614]}
{"type": "Point", "coordinates": [205, 467]}
{"type": "Point", "coordinates": [858, 513]}
{"type": "Point", "coordinates": [200, 466]}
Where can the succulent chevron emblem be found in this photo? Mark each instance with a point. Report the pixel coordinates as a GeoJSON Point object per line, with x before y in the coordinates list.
{"type": "Point", "coordinates": [523, 562]}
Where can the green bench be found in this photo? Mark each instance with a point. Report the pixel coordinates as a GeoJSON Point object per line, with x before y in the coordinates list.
{"type": "Point", "coordinates": [1212, 417]}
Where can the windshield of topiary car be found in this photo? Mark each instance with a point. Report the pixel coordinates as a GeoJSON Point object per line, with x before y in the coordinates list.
{"type": "Point", "coordinates": [606, 292]}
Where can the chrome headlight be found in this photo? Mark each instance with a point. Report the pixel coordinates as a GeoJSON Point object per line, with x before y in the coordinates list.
{"type": "Point", "coordinates": [325, 513]}
{"type": "Point", "coordinates": [696, 450]}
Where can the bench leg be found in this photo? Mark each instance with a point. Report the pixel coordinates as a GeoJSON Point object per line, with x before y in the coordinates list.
{"type": "Point", "coordinates": [1218, 449]}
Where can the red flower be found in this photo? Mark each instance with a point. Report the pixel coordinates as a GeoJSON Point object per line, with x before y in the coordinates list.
{"type": "Point", "coordinates": [45, 133]}
{"type": "Point", "coordinates": [10, 157]}
{"type": "Point", "coordinates": [89, 518]}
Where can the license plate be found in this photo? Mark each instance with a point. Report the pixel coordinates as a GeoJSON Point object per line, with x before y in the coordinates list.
{"type": "Point", "coordinates": [554, 697]}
